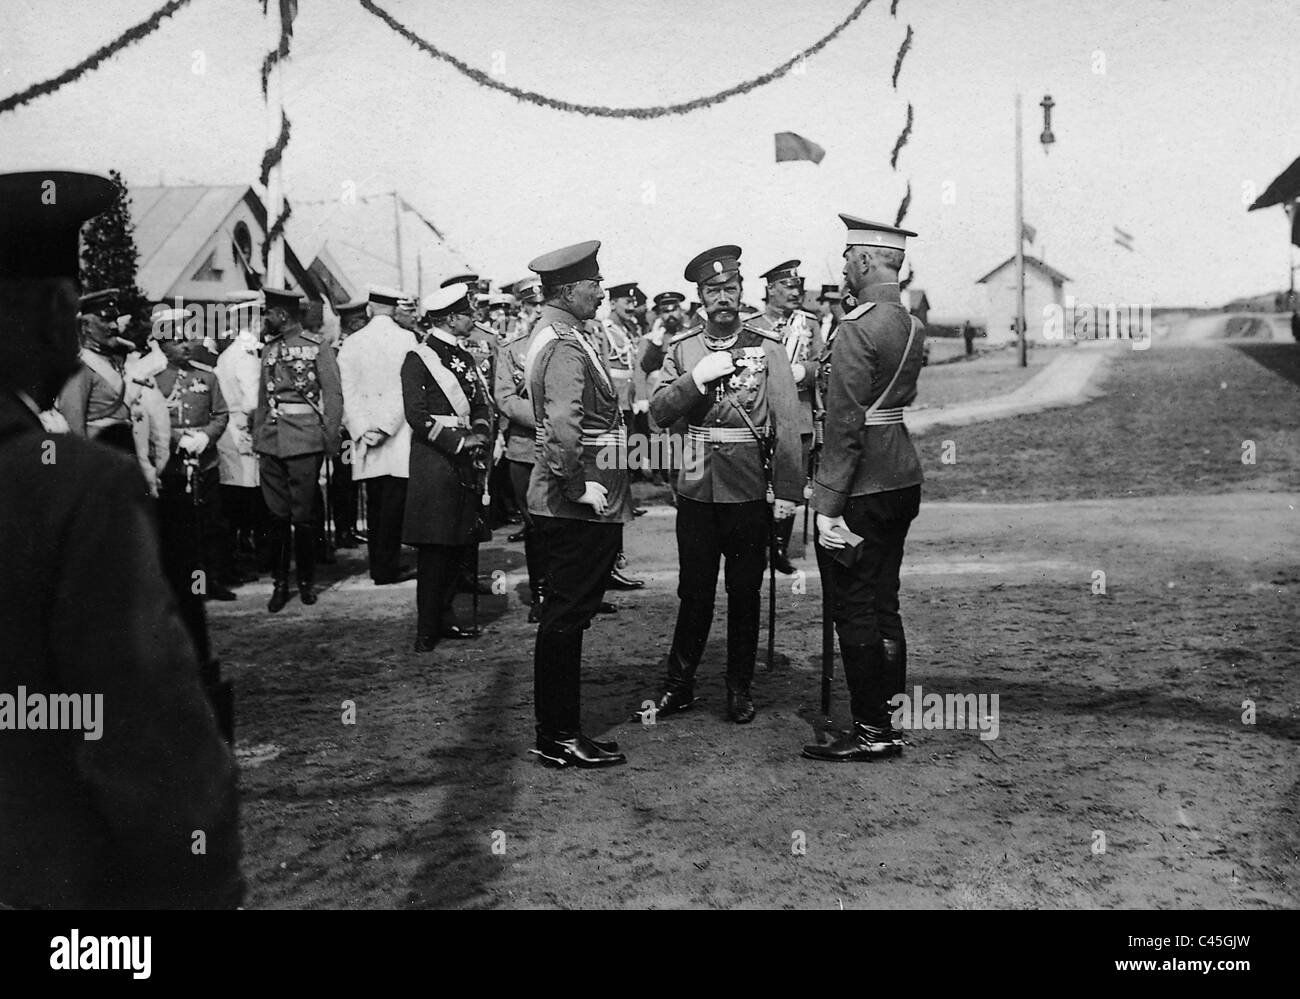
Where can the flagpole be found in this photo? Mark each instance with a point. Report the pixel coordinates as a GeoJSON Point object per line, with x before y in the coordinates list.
{"type": "Point", "coordinates": [1020, 240]}
{"type": "Point", "coordinates": [397, 229]}
{"type": "Point", "coordinates": [275, 179]}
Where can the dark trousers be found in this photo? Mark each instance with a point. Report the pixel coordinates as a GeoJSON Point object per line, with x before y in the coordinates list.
{"type": "Point", "coordinates": [385, 505]}
{"type": "Point", "coordinates": [579, 557]}
{"type": "Point", "coordinates": [706, 534]}
{"type": "Point", "coordinates": [438, 567]}
{"type": "Point", "coordinates": [289, 487]}
{"type": "Point", "coordinates": [182, 517]}
{"type": "Point", "coordinates": [534, 551]}
{"type": "Point", "coordinates": [343, 498]}
{"type": "Point", "coordinates": [866, 594]}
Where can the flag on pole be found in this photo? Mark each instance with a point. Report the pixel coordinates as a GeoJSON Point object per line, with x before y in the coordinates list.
{"type": "Point", "coordinates": [1285, 187]}
{"type": "Point", "coordinates": [1294, 212]}
{"type": "Point", "coordinates": [1123, 238]}
{"type": "Point", "coordinates": [790, 146]}
{"type": "Point", "coordinates": [1030, 232]}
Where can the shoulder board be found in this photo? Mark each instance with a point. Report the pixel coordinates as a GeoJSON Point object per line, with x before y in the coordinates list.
{"type": "Point", "coordinates": [810, 316]}
{"type": "Point", "coordinates": [515, 339]}
{"type": "Point", "coordinates": [860, 311]}
{"type": "Point", "coordinates": [766, 334]}
{"type": "Point", "coordinates": [309, 335]}
{"type": "Point", "coordinates": [204, 367]}
{"type": "Point", "coordinates": [685, 335]}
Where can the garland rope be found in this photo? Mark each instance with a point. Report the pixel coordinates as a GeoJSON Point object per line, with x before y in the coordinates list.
{"type": "Point", "coordinates": [902, 51]}
{"type": "Point", "coordinates": [128, 37]}
{"type": "Point", "coordinates": [275, 153]}
{"type": "Point", "coordinates": [601, 111]}
{"type": "Point", "coordinates": [901, 141]}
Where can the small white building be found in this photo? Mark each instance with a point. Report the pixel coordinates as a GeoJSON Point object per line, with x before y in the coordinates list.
{"type": "Point", "coordinates": [1044, 286]}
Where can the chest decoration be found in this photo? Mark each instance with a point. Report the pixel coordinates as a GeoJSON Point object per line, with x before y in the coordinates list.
{"type": "Point", "coordinates": [746, 382]}
{"type": "Point", "coordinates": [291, 370]}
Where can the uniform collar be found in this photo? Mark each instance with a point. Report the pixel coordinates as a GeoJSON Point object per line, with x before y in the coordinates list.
{"type": "Point", "coordinates": [450, 339]}
{"type": "Point", "coordinates": [551, 315]}
{"type": "Point", "coordinates": [882, 292]}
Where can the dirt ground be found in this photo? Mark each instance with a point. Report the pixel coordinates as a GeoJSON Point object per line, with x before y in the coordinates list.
{"type": "Point", "coordinates": [1122, 775]}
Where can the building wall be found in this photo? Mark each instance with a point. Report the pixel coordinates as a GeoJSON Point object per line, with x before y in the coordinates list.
{"type": "Point", "coordinates": [1000, 315]}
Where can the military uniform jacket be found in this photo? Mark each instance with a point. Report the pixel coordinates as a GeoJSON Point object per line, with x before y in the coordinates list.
{"type": "Point", "coordinates": [194, 402]}
{"type": "Point", "coordinates": [802, 336]}
{"type": "Point", "coordinates": [444, 403]}
{"type": "Point", "coordinates": [619, 345]}
{"type": "Point", "coordinates": [721, 459]}
{"type": "Point", "coordinates": [861, 357]}
{"type": "Point", "coordinates": [95, 396]}
{"type": "Point", "coordinates": [150, 421]}
{"type": "Point", "coordinates": [580, 431]}
{"type": "Point", "coordinates": [104, 822]}
{"type": "Point", "coordinates": [370, 367]}
{"type": "Point", "coordinates": [512, 400]}
{"type": "Point", "coordinates": [484, 346]}
{"type": "Point", "coordinates": [239, 369]}
{"type": "Point", "coordinates": [298, 368]}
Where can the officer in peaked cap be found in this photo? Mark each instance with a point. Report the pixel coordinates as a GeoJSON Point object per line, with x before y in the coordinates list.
{"type": "Point", "coordinates": [869, 481]}
{"type": "Point", "coordinates": [100, 822]}
{"type": "Point", "coordinates": [732, 387]}
{"type": "Point", "coordinates": [353, 315]}
{"type": "Point", "coordinates": [578, 498]}
{"type": "Point", "coordinates": [529, 292]}
{"type": "Point", "coordinates": [94, 400]}
{"type": "Point", "coordinates": [239, 370]}
{"type": "Point", "coordinates": [300, 408]}
{"type": "Point", "coordinates": [801, 334]}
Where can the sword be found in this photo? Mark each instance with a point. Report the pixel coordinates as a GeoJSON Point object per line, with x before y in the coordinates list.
{"type": "Point", "coordinates": [828, 623]}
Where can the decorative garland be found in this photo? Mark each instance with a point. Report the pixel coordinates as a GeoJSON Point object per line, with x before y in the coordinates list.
{"type": "Point", "coordinates": [275, 153]}
{"type": "Point", "coordinates": [600, 111]}
{"type": "Point", "coordinates": [902, 51]}
{"type": "Point", "coordinates": [128, 37]}
{"type": "Point", "coordinates": [904, 205]}
{"type": "Point", "coordinates": [901, 141]}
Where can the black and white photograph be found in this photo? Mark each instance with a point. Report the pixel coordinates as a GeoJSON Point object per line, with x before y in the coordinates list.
{"type": "Point", "coordinates": [745, 455]}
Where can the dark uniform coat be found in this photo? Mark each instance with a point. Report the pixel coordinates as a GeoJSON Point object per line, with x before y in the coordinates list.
{"type": "Point", "coordinates": [445, 403]}
{"type": "Point", "coordinates": [802, 336]}
{"type": "Point", "coordinates": [106, 822]}
{"type": "Point", "coordinates": [194, 402]}
{"type": "Point", "coordinates": [731, 471]}
{"type": "Point", "coordinates": [512, 401]}
{"type": "Point", "coordinates": [298, 367]}
{"type": "Point", "coordinates": [860, 358]}
{"type": "Point", "coordinates": [578, 413]}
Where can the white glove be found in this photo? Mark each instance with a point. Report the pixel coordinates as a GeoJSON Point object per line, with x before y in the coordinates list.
{"type": "Point", "coordinates": [782, 510]}
{"type": "Point", "coordinates": [641, 406]}
{"type": "Point", "coordinates": [498, 448]}
{"type": "Point", "coordinates": [594, 497]}
{"type": "Point", "coordinates": [718, 364]}
{"type": "Point", "coordinates": [799, 372]}
{"type": "Point", "coordinates": [826, 533]}
{"type": "Point", "coordinates": [373, 438]}
{"type": "Point", "coordinates": [656, 336]}
{"type": "Point", "coordinates": [194, 441]}
{"type": "Point", "coordinates": [54, 422]}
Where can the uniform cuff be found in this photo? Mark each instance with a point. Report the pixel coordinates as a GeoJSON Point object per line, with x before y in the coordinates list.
{"type": "Point", "coordinates": [827, 501]}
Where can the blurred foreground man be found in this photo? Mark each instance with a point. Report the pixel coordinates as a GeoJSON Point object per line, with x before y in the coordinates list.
{"type": "Point", "coordinates": [579, 504]}
{"type": "Point", "coordinates": [869, 482]}
{"type": "Point", "coordinates": [110, 759]}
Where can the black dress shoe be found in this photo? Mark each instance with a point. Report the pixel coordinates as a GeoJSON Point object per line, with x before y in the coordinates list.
{"type": "Point", "coordinates": [672, 702]}
{"type": "Point", "coordinates": [578, 751]}
{"type": "Point", "coordinates": [617, 581]}
{"type": "Point", "coordinates": [860, 744]}
{"type": "Point", "coordinates": [517, 536]}
{"type": "Point", "coordinates": [307, 592]}
{"type": "Point", "coordinates": [740, 706]}
{"type": "Point", "coordinates": [605, 607]}
{"type": "Point", "coordinates": [349, 539]}
{"type": "Point", "coordinates": [604, 745]}
{"type": "Point", "coordinates": [781, 562]}
{"type": "Point", "coordinates": [279, 597]}
{"type": "Point", "coordinates": [423, 643]}
{"type": "Point", "coordinates": [638, 511]}
{"type": "Point", "coordinates": [455, 631]}
{"type": "Point", "coordinates": [218, 592]}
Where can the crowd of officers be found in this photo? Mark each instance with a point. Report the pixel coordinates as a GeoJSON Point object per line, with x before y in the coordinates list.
{"type": "Point", "coordinates": [773, 408]}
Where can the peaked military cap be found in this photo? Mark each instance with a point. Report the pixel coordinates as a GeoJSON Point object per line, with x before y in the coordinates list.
{"type": "Point", "coordinates": [568, 264]}
{"type": "Point", "coordinates": [529, 289]}
{"type": "Point", "coordinates": [446, 301]}
{"type": "Point", "coordinates": [716, 264]}
{"type": "Point", "coordinates": [352, 308]}
{"type": "Point", "coordinates": [100, 303]}
{"type": "Point", "coordinates": [669, 298]}
{"type": "Point", "coordinates": [284, 298]}
{"type": "Point", "coordinates": [41, 214]}
{"type": "Point", "coordinates": [864, 233]}
{"type": "Point", "coordinates": [786, 269]}
{"type": "Point", "coordinates": [626, 290]}
{"type": "Point", "coordinates": [830, 293]}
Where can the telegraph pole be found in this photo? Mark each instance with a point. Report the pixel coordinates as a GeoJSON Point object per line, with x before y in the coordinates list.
{"type": "Point", "coordinates": [397, 229]}
{"type": "Point", "coordinates": [1020, 240]}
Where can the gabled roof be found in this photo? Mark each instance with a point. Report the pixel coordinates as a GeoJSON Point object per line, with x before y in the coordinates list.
{"type": "Point", "coordinates": [172, 224]}
{"type": "Point", "coordinates": [1051, 272]}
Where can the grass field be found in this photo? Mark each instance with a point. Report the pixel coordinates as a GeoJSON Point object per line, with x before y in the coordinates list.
{"type": "Point", "coordinates": [1126, 444]}
{"type": "Point", "coordinates": [990, 373]}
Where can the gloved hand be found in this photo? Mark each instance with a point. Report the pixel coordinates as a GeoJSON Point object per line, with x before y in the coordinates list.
{"type": "Point", "coordinates": [718, 364]}
{"type": "Point", "coordinates": [827, 536]}
{"type": "Point", "coordinates": [499, 448]}
{"type": "Point", "coordinates": [373, 438]}
{"type": "Point", "coordinates": [799, 372]}
{"type": "Point", "coordinates": [782, 510]}
{"type": "Point", "coordinates": [594, 496]}
{"type": "Point", "coordinates": [641, 406]}
{"type": "Point", "coordinates": [193, 442]}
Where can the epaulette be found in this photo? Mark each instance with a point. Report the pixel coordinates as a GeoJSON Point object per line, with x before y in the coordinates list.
{"type": "Point", "coordinates": [204, 367]}
{"type": "Point", "coordinates": [685, 335]}
{"type": "Point", "coordinates": [860, 311]}
{"type": "Point", "coordinates": [766, 334]}
{"type": "Point", "coordinates": [313, 337]}
{"type": "Point", "coordinates": [810, 316]}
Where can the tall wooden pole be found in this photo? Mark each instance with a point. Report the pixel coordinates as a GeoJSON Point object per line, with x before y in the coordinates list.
{"type": "Point", "coordinates": [275, 181]}
{"type": "Point", "coordinates": [1020, 240]}
{"type": "Point", "coordinates": [397, 229]}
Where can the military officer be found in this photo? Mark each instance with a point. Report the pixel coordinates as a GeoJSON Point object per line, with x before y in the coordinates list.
{"type": "Point", "coordinates": [239, 369]}
{"type": "Point", "coordinates": [832, 307]}
{"type": "Point", "coordinates": [733, 388]}
{"type": "Point", "coordinates": [102, 820]}
{"type": "Point", "coordinates": [801, 335]}
{"type": "Point", "coordinates": [869, 482]}
{"type": "Point", "coordinates": [300, 407]}
{"type": "Point", "coordinates": [579, 503]}
{"type": "Point", "coordinates": [94, 399]}
{"type": "Point", "coordinates": [190, 481]}
{"type": "Point", "coordinates": [370, 367]}
{"type": "Point", "coordinates": [529, 291]}
{"type": "Point", "coordinates": [353, 315]}
{"type": "Point", "coordinates": [449, 415]}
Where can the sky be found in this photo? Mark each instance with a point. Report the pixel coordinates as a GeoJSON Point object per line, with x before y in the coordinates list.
{"type": "Point", "coordinates": [1170, 115]}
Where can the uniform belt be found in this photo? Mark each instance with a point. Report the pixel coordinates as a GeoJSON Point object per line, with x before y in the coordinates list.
{"type": "Point", "coordinates": [295, 408]}
{"type": "Point", "coordinates": [884, 417]}
{"type": "Point", "coordinates": [725, 435]}
{"type": "Point", "coordinates": [621, 372]}
{"type": "Point", "coordinates": [451, 421]}
{"type": "Point", "coordinates": [617, 436]}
